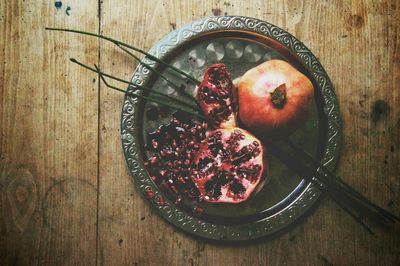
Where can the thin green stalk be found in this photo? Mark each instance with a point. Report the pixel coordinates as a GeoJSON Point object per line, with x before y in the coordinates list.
{"type": "Point", "coordinates": [152, 57]}
{"type": "Point", "coordinates": [147, 98]}
{"type": "Point", "coordinates": [357, 219]}
{"type": "Point", "coordinates": [136, 86]}
{"type": "Point", "coordinates": [170, 83]}
{"type": "Point", "coordinates": [308, 174]}
{"type": "Point", "coordinates": [386, 214]}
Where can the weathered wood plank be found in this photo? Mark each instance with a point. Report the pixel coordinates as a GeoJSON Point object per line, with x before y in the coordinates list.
{"type": "Point", "coordinates": [48, 141]}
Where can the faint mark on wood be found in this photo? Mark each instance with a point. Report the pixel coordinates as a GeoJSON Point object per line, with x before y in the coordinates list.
{"type": "Point", "coordinates": [69, 207]}
{"type": "Point", "coordinates": [19, 196]}
{"type": "Point", "coordinates": [191, 261]}
{"type": "Point", "coordinates": [173, 25]}
{"type": "Point", "coordinates": [325, 260]}
{"type": "Point", "coordinates": [295, 16]}
{"type": "Point", "coordinates": [15, 262]}
{"type": "Point", "coordinates": [390, 203]}
{"type": "Point", "coordinates": [396, 58]}
{"type": "Point", "coordinates": [355, 22]}
{"type": "Point", "coordinates": [216, 11]}
{"type": "Point", "coordinates": [101, 255]}
{"type": "Point", "coordinates": [68, 11]}
{"type": "Point", "coordinates": [200, 249]}
{"type": "Point", "coordinates": [380, 109]}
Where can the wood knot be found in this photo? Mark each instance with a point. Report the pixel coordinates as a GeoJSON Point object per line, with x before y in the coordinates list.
{"type": "Point", "coordinates": [21, 194]}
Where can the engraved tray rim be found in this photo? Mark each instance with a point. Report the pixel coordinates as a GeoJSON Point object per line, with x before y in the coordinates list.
{"type": "Point", "coordinates": [131, 145]}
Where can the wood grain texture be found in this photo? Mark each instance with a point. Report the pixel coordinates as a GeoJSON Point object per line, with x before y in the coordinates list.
{"type": "Point", "coordinates": [48, 145]}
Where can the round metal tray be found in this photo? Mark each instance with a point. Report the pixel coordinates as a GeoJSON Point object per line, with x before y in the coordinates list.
{"type": "Point", "coordinates": [241, 43]}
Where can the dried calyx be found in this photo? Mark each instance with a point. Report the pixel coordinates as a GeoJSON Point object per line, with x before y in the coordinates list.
{"type": "Point", "coordinates": [278, 96]}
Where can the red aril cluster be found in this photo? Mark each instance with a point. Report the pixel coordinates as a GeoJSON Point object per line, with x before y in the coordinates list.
{"type": "Point", "coordinates": [175, 146]}
{"type": "Point", "coordinates": [228, 166]}
{"type": "Point", "coordinates": [216, 98]}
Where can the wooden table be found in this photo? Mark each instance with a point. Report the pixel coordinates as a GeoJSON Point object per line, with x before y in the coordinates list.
{"type": "Point", "coordinates": [65, 193]}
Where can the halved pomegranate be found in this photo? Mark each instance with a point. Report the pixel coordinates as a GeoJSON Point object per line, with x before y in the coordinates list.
{"type": "Point", "coordinates": [229, 166]}
{"type": "Point", "coordinates": [216, 98]}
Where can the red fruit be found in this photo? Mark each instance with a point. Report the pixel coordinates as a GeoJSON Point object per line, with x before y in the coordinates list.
{"type": "Point", "coordinates": [215, 96]}
{"type": "Point", "coordinates": [228, 166]}
{"type": "Point", "coordinates": [274, 98]}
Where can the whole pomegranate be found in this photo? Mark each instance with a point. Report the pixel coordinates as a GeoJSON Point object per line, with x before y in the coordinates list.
{"type": "Point", "coordinates": [228, 166]}
{"type": "Point", "coordinates": [216, 98]}
{"type": "Point", "coordinates": [274, 98]}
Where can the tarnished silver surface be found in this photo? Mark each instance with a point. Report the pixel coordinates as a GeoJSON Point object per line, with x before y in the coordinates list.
{"type": "Point", "coordinates": [133, 124]}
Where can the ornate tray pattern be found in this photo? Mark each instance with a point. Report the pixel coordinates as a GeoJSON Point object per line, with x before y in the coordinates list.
{"type": "Point", "coordinates": [132, 145]}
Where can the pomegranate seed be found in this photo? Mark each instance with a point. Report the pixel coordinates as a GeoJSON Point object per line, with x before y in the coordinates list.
{"type": "Point", "coordinates": [161, 201]}
{"type": "Point", "coordinates": [149, 194]}
{"type": "Point", "coordinates": [198, 210]}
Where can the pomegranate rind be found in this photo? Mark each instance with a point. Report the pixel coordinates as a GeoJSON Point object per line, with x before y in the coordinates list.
{"type": "Point", "coordinates": [256, 110]}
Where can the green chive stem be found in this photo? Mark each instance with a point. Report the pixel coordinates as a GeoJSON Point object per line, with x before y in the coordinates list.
{"type": "Point", "coordinates": [147, 98]}
{"type": "Point", "coordinates": [173, 85]}
{"type": "Point", "coordinates": [152, 57]}
{"type": "Point", "coordinates": [342, 184]}
{"type": "Point", "coordinates": [136, 86]}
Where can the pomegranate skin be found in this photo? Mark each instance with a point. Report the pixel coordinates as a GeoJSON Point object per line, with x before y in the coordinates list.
{"type": "Point", "coordinates": [258, 112]}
